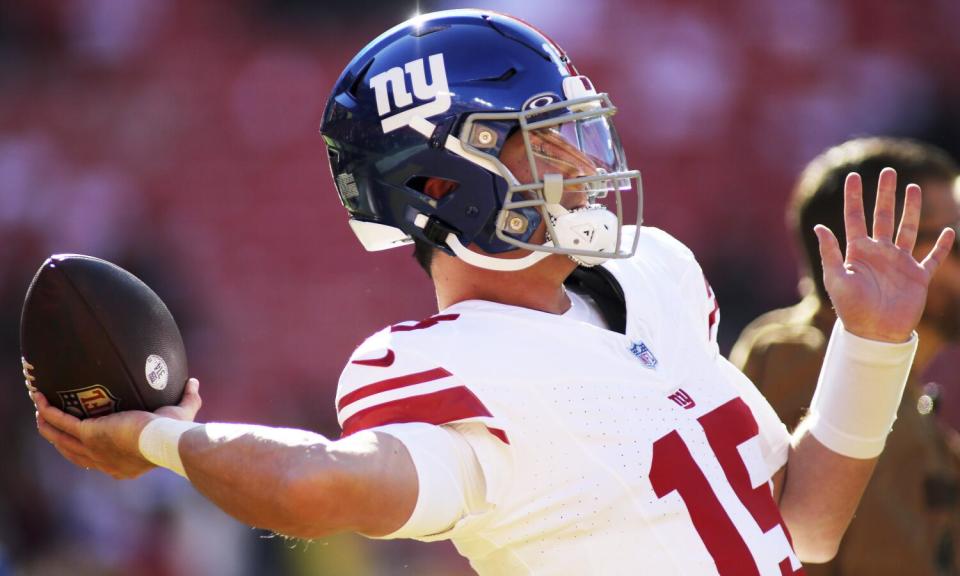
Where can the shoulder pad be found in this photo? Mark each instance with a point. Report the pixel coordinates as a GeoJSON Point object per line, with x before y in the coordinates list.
{"type": "Point", "coordinates": [389, 381]}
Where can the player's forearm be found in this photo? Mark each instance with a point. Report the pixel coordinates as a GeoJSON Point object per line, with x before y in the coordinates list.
{"type": "Point", "coordinates": [820, 495]}
{"type": "Point", "coordinates": [291, 481]}
{"type": "Point", "coordinates": [835, 449]}
{"type": "Point", "coordinates": [259, 475]}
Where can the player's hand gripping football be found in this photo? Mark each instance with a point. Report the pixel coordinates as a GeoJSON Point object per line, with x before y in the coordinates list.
{"type": "Point", "coordinates": [108, 443]}
{"type": "Point", "coordinates": [879, 290]}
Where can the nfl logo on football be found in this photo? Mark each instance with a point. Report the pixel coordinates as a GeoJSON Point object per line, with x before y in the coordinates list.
{"type": "Point", "coordinates": [640, 350]}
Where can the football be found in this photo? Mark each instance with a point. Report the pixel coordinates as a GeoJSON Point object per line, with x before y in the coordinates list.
{"type": "Point", "coordinates": [96, 340]}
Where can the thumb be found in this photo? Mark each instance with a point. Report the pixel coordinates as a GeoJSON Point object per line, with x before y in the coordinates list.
{"type": "Point", "coordinates": [191, 400]}
{"type": "Point", "coordinates": [830, 254]}
{"type": "Point", "coordinates": [189, 404]}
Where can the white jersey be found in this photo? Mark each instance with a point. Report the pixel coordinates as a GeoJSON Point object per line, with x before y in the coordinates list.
{"type": "Point", "coordinates": [643, 453]}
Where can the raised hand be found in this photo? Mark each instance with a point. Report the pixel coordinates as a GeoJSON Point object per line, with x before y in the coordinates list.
{"type": "Point", "coordinates": [110, 443]}
{"type": "Point", "coordinates": [879, 290]}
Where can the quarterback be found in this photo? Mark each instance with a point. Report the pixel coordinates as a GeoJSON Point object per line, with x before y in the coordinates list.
{"type": "Point", "coordinates": [567, 410]}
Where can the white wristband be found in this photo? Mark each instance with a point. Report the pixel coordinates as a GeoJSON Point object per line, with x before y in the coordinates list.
{"type": "Point", "coordinates": [859, 391]}
{"type": "Point", "coordinates": [160, 442]}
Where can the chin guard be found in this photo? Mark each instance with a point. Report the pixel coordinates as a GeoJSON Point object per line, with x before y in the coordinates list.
{"type": "Point", "coordinates": [591, 229]}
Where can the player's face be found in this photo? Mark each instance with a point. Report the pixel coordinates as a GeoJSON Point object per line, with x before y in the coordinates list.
{"type": "Point", "coordinates": [940, 210]}
{"type": "Point", "coordinates": [553, 153]}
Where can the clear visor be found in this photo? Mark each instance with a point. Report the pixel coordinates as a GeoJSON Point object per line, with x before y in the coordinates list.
{"type": "Point", "coordinates": [578, 149]}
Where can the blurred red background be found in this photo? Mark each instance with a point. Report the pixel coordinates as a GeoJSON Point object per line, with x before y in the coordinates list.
{"type": "Point", "coordinates": [180, 139]}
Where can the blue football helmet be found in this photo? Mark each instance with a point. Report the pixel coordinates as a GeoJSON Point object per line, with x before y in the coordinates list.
{"type": "Point", "coordinates": [450, 95]}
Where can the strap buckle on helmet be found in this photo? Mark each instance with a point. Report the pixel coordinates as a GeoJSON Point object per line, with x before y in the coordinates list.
{"type": "Point", "coordinates": [433, 229]}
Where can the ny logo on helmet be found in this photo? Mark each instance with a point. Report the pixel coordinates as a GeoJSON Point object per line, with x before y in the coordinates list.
{"type": "Point", "coordinates": [393, 82]}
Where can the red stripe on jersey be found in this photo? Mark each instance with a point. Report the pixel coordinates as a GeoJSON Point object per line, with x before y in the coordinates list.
{"type": "Point", "coordinates": [383, 362]}
{"type": "Point", "coordinates": [712, 318]}
{"type": "Point", "coordinates": [440, 407]}
{"type": "Point", "coordinates": [391, 384]}
{"type": "Point", "coordinates": [786, 569]}
{"type": "Point", "coordinates": [431, 321]}
{"type": "Point", "coordinates": [499, 434]}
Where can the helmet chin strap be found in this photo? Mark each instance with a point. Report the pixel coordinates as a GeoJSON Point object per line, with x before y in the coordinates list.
{"type": "Point", "coordinates": [490, 263]}
{"type": "Point", "coordinates": [480, 260]}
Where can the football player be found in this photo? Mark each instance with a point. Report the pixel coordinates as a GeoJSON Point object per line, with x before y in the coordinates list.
{"type": "Point", "coordinates": [567, 411]}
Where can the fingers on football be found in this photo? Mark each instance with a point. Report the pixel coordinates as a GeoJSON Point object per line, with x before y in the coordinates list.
{"type": "Point", "coordinates": [940, 250]}
{"type": "Point", "coordinates": [75, 458]}
{"type": "Point", "coordinates": [907, 233]}
{"type": "Point", "coordinates": [64, 443]}
{"type": "Point", "coordinates": [884, 213]}
{"type": "Point", "coordinates": [56, 417]}
{"type": "Point", "coordinates": [855, 223]}
{"type": "Point", "coordinates": [830, 252]}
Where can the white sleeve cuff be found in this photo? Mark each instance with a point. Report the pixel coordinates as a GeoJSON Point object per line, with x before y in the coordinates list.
{"type": "Point", "coordinates": [449, 476]}
{"type": "Point", "coordinates": [859, 391]}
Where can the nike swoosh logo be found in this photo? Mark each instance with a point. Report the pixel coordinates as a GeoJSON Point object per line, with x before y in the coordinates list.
{"type": "Point", "coordinates": [387, 360]}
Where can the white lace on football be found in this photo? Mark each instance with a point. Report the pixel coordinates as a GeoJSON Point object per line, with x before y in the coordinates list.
{"type": "Point", "coordinates": [29, 378]}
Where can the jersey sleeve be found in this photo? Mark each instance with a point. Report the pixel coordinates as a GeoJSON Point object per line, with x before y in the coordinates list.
{"type": "Point", "coordinates": [774, 437]}
{"type": "Point", "coordinates": [459, 467]}
{"type": "Point", "coordinates": [389, 382]}
{"type": "Point", "coordinates": [783, 361]}
{"type": "Point", "coordinates": [697, 296]}
{"type": "Point", "coordinates": [702, 301]}
{"type": "Point", "coordinates": [712, 311]}
{"type": "Point", "coordinates": [459, 447]}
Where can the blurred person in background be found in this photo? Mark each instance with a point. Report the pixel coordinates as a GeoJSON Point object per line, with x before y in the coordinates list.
{"type": "Point", "coordinates": [540, 428]}
{"type": "Point", "coordinates": [909, 517]}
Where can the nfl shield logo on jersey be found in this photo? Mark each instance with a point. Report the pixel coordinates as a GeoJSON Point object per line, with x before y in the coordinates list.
{"type": "Point", "coordinates": [640, 350]}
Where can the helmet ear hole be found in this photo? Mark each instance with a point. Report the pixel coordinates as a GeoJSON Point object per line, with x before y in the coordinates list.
{"type": "Point", "coordinates": [433, 187]}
